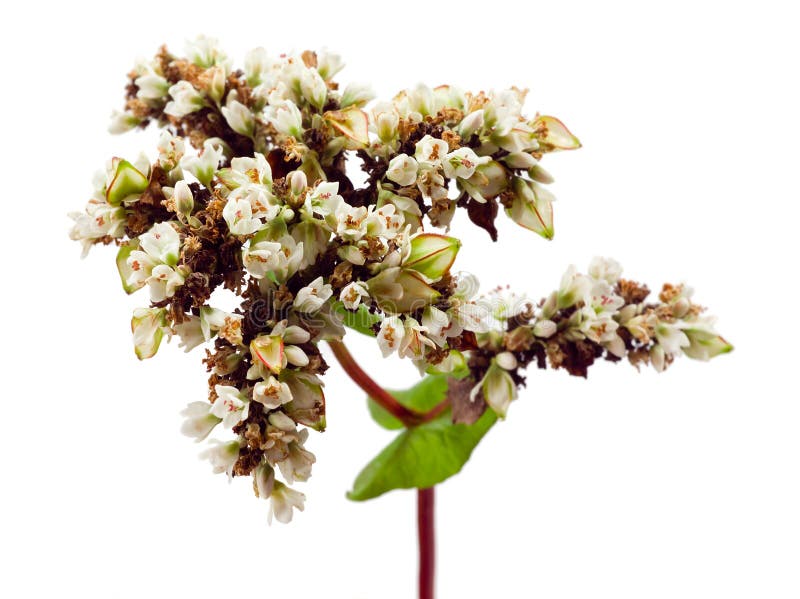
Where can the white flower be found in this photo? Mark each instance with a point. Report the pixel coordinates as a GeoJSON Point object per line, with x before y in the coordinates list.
{"type": "Point", "coordinates": [385, 121]}
{"type": "Point", "coordinates": [352, 294]}
{"type": "Point", "coordinates": [272, 393]}
{"type": "Point", "coordinates": [430, 151]}
{"type": "Point", "coordinates": [311, 297]}
{"type": "Point", "coordinates": [154, 262]}
{"type": "Point", "coordinates": [223, 456]}
{"type": "Point", "coordinates": [356, 94]}
{"type": "Point", "coordinates": [498, 389]}
{"type": "Point", "coordinates": [671, 338]}
{"type": "Point", "coordinates": [263, 480]}
{"type": "Point", "coordinates": [257, 64]}
{"type": "Point", "coordinates": [282, 258]}
{"type": "Point", "coordinates": [98, 220]}
{"type": "Point", "coordinates": [390, 335]}
{"type": "Point", "coordinates": [606, 269]}
{"type": "Point", "coordinates": [238, 213]}
{"type": "Point", "coordinates": [414, 342]}
{"type": "Point", "coordinates": [436, 323]}
{"type": "Point", "coordinates": [402, 170]}
{"type": "Point", "coordinates": [328, 64]}
{"type": "Point", "coordinates": [151, 86]}
{"type": "Point", "coordinates": [283, 499]}
{"type": "Point", "coordinates": [231, 405]}
{"type": "Point", "coordinates": [575, 287]}
{"type": "Point", "coordinates": [205, 52]}
{"type": "Point", "coordinates": [122, 121]}
{"type": "Point", "coordinates": [199, 421]}
{"type": "Point", "coordinates": [286, 118]}
{"type": "Point", "coordinates": [313, 88]}
{"type": "Point", "coordinates": [471, 124]}
{"type": "Point", "coordinates": [148, 326]}
{"type": "Point", "coordinates": [461, 163]}
{"type": "Point", "coordinates": [163, 282]}
{"type": "Point", "coordinates": [297, 465]}
{"type": "Point", "coordinates": [170, 150]}
{"type": "Point", "coordinates": [183, 198]}
{"type": "Point", "coordinates": [162, 243]}
{"type": "Point", "coordinates": [545, 328]}
{"type": "Point", "coordinates": [206, 164]}
{"type": "Point", "coordinates": [239, 117]}
{"type": "Point", "coordinates": [186, 100]}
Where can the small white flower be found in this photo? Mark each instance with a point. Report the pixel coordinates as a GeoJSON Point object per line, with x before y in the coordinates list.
{"type": "Point", "coordinates": [328, 64]}
{"type": "Point", "coordinates": [390, 335]}
{"type": "Point", "coordinates": [498, 389]}
{"type": "Point", "coordinates": [471, 124]}
{"type": "Point", "coordinates": [297, 466]}
{"type": "Point", "coordinates": [286, 118]}
{"type": "Point", "coordinates": [238, 213]}
{"type": "Point", "coordinates": [206, 164]}
{"type": "Point", "coordinates": [402, 170]}
{"type": "Point", "coordinates": [222, 455]}
{"type": "Point", "coordinates": [430, 151]}
{"type": "Point", "coordinates": [231, 406]}
{"type": "Point", "coordinates": [414, 342]}
{"type": "Point", "coordinates": [460, 163]}
{"type": "Point", "coordinates": [257, 65]}
{"type": "Point", "coordinates": [272, 393]}
{"type": "Point", "coordinates": [163, 282]}
{"type": "Point", "coordinates": [239, 117]}
{"type": "Point", "coordinates": [352, 294]}
{"type": "Point", "coordinates": [151, 87]}
{"type": "Point", "coordinates": [199, 421]}
{"type": "Point", "coordinates": [283, 499]}
{"type": "Point", "coordinates": [263, 480]}
{"type": "Point", "coordinates": [356, 94]}
{"type": "Point", "coordinates": [545, 328]}
{"type": "Point", "coordinates": [311, 297]}
{"type": "Point", "coordinates": [437, 324]}
{"type": "Point", "coordinates": [98, 220]}
{"type": "Point", "coordinates": [606, 269]}
{"type": "Point", "coordinates": [185, 100]}
{"type": "Point", "coordinates": [122, 121]}
{"type": "Point", "coordinates": [205, 52]}
{"type": "Point", "coordinates": [148, 325]}
{"type": "Point", "coordinates": [313, 88]}
{"type": "Point", "coordinates": [162, 243]}
{"type": "Point", "coordinates": [170, 150]}
{"type": "Point", "coordinates": [575, 287]}
{"type": "Point", "coordinates": [671, 338]}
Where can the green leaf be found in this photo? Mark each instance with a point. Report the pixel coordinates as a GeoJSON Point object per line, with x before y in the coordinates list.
{"type": "Point", "coordinates": [360, 320]}
{"type": "Point", "coordinates": [421, 457]}
{"type": "Point", "coordinates": [422, 397]}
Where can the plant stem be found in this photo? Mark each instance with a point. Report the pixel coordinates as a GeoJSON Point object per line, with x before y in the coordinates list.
{"type": "Point", "coordinates": [385, 399]}
{"type": "Point", "coordinates": [427, 542]}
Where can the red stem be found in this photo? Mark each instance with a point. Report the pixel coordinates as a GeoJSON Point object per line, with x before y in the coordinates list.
{"type": "Point", "coordinates": [427, 542]}
{"type": "Point", "coordinates": [385, 399]}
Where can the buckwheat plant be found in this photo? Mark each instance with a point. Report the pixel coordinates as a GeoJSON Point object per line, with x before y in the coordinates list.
{"type": "Point", "coordinates": [249, 190]}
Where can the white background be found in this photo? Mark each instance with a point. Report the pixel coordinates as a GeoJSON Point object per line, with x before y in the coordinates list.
{"type": "Point", "coordinates": [626, 485]}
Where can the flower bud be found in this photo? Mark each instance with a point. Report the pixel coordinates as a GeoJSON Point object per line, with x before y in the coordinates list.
{"type": "Point", "coordinates": [432, 254]}
{"type": "Point", "coordinates": [122, 122]}
{"type": "Point", "coordinates": [704, 342]}
{"type": "Point", "coordinates": [356, 95]}
{"type": "Point", "coordinates": [537, 173]}
{"type": "Point", "coordinates": [401, 291]}
{"type": "Point", "coordinates": [471, 124]}
{"type": "Point", "coordinates": [216, 83]}
{"type": "Point", "coordinates": [186, 100]}
{"type": "Point", "coordinates": [184, 201]}
{"type": "Point", "coordinates": [148, 326]}
{"type": "Point", "coordinates": [268, 349]}
{"type": "Point", "coordinates": [532, 207]}
{"type": "Point", "coordinates": [402, 170]}
{"type": "Point", "coordinates": [498, 389]}
{"type": "Point", "coordinates": [239, 117]}
{"type": "Point", "coordinates": [545, 328]}
{"type": "Point", "coordinates": [127, 183]}
{"type": "Point", "coordinates": [287, 119]}
{"type": "Point", "coordinates": [313, 88]}
{"type": "Point", "coordinates": [554, 135]}
{"type": "Point", "coordinates": [151, 87]}
{"type": "Point", "coordinates": [353, 124]}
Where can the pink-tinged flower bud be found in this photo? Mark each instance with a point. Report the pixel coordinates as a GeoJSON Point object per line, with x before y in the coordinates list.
{"type": "Point", "coordinates": [127, 183]}
{"type": "Point", "coordinates": [532, 207]}
{"type": "Point", "coordinates": [268, 349]}
{"type": "Point", "coordinates": [353, 124]}
{"type": "Point", "coordinates": [554, 135]}
{"type": "Point", "coordinates": [432, 254]}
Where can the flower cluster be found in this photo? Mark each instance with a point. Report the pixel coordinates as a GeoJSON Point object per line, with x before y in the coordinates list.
{"type": "Point", "coordinates": [249, 191]}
